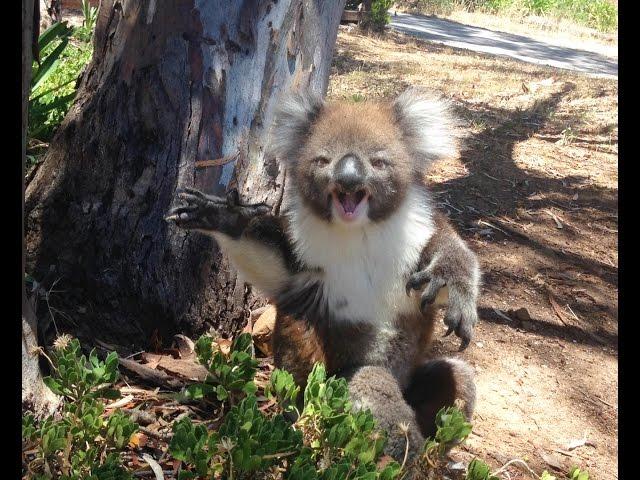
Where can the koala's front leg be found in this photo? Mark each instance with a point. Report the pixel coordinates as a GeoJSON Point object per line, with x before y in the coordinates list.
{"type": "Point", "coordinates": [255, 241]}
{"type": "Point", "coordinates": [448, 266]}
{"type": "Point", "coordinates": [211, 214]}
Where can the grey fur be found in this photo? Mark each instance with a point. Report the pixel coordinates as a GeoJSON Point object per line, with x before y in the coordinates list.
{"type": "Point", "coordinates": [293, 118]}
{"type": "Point", "coordinates": [448, 261]}
{"type": "Point", "coordinates": [428, 125]}
{"type": "Point", "coordinates": [377, 389]}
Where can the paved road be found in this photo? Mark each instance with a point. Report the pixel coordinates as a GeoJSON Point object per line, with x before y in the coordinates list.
{"type": "Point", "coordinates": [522, 48]}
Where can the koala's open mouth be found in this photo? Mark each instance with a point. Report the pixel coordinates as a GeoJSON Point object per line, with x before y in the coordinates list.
{"type": "Point", "coordinates": [350, 206]}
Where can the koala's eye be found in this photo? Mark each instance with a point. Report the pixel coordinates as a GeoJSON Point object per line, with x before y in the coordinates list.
{"type": "Point", "coordinates": [379, 163]}
{"type": "Point", "coordinates": [321, 161]}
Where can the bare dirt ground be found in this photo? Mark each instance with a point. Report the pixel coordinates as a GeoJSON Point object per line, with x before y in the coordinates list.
{"type": "Point", "coordinates": [535, 195]}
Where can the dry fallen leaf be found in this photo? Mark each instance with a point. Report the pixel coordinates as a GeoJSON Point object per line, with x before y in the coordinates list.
{"type": "Point", "coordinates": [188, 368]}
{"type": "Point", "coordinates": [554, 461]}
{"type": "Point", "coordinates": [578, 442]}
{"type": "Point", "coordinates": [185, 346]}
{"type": "Point", "coordinates": [138, 440]}
{"type": "Point", "coordinates": [120, 403]}
{"type": "Point", "coordinates": [224, 345]}
{"type": "Point", "coordinates": [155, 466]}
{"type": "Point", "coordinates": [263, 330]}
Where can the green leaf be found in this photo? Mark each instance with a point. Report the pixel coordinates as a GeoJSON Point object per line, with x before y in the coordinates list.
{"type": "Point", "coordinates": [48, 65]}
{"type": "Point", "coordinates": [576, 474]}
{"type": "Point", "coordinates": [198, 391]}
{"type": "Point", "coordinates": [478, 470]}
{"type": "Point", "coordinates": [57, 30]}
{"type": "Point", "coordinates": [53, 385]}
{"type": "Point", "coordinates": [109, 393]}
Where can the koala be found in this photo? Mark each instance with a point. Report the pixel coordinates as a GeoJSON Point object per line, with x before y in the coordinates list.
{"type": "Point", "coordinates": [359, 260]}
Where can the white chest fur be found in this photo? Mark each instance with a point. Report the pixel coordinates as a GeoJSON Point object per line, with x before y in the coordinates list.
{"type": "Point", "coordinates": [365, 269]}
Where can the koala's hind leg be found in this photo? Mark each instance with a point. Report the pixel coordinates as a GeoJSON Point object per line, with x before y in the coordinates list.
{"type": "Point", "coordinates": [436, 384]}
{"type": "Point", "coordinates": [377, 389]}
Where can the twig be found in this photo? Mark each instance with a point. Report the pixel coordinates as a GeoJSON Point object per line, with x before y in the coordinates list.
{"type": "Point", "coordinates": [518, 462]}
{"type": "Point", "coordinates": [144, 473]}
{"type": "Point", "coordinates": [492, 178]}
{"type": "Point", "coordinates": [556, 309]}
{"type": "Point", "coordinates": [278, 455]}
{"type": "Point", "coordinates": [482, 222]}
{"type": "Point", "coordinates": [500, 314]}
{"type": "Point", "coordinates": [449, 205]}
{"type": "Point", "coordinates": [134, 354]}
{"type": "Point", "coordinates": [405, 429]}
{"type": "Point", "coordinates": [592, 335]}
{"type": "Point", "coordinates": [160, 436]}
{"type": "Point", "coordinates": [217, 161]}
{"type": "Point", "coordinates": [555, 218]}
{"type": "Point", "coordinates": [156, 377]}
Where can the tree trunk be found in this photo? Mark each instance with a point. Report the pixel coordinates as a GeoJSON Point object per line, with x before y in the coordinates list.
{"type": "Point", "coordinates": [50, 12]}
{"type": "Point", "coordinates": [36, 397]}
{"type": "Point", "coordinates": [179, 93]}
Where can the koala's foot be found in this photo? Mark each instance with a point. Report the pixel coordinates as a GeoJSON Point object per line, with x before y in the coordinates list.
{"type": "Point", "coordinates": [209, 213]}
{"type": "Point", "coordinates": [439, 383]}
{"type": "Point", "coordinates": [377, 389]}
{"type": "Point", "coordinates": [458, 278]}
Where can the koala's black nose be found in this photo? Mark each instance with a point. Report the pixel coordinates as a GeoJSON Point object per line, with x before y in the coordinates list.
{"type": "Point", "coordinates": [349, 173]}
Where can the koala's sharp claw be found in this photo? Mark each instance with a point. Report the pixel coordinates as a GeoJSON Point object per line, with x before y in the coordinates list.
{"type": "Point", "coordinates": [199, 211]}
{"type": "Point", "coordinates": [417, 280]}
{"type": "Point", "coordinates": [449, 332]}
{"type": "Point", "coordinates": [262, 209]}
{"type": "Point", "coordinates": [233, 197]}
{"type": "Point", "coordinates": [430, 293]}
{"type": "Point", "coordinates": [464, 344]}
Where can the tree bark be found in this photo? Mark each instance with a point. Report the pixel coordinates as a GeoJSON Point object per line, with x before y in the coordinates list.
{"type": "Point", "coordinates": [50, 12]}
{"type": "Point", "coordinates": [36, 397]}
{"type": "Point", "coordinates": [178, 93]}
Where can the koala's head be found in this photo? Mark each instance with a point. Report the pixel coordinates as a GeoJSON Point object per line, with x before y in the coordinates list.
{"type": "Point", "coordinates": [353, 162]}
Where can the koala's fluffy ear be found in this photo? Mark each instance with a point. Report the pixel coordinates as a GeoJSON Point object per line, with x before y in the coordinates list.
{"type": "Point", "coordinates": [294, 116]}
{"type": "Point", "coordinates": [429, 128]}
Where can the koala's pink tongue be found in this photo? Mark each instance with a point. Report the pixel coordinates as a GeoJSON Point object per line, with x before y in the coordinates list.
{"type": "Point", "coordinates": [349, 202]}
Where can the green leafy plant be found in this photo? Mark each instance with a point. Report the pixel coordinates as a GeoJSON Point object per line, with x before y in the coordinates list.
{"type": "Point", "coordinates": [83, 442]}
{"type": "Point", "coordinates": [64, 53]}
{"type": "Point", "coordinates": [228, 374]}
{"type": "Point", "coordinates": [327, 441]}
{"type": "Point", "coordinates": [478, 470]}
{"type": "Point", "coordinates": [452, 429]}
{"type": "Point", "coordinates": [48, 97]}
{"type": "Point", "coordinates": [576, 474]}
{"type": "Point", "coordinates": [379, 16]}
{"type": "Point", "coordinates": [89, 19]}
{"type": "Point", "coordinates": [90, 15]}
{"type": "Point", "coordinates": [599, 14]}
{"type": "Point", "coordinates": [80, 378]}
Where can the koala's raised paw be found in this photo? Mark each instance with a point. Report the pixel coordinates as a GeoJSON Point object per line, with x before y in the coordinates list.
{"type": "Point", "coordinates": [461, 315]}
{"type": "Point", "coordinates": [210, 213]}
